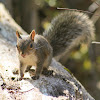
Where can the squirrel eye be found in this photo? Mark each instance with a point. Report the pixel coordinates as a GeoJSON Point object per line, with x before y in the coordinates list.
{"type": "Point", "coordinates": [31, 45]}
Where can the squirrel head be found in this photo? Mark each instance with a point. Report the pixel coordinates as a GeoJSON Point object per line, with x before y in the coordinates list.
{"type": "Point", "coordinates": [25, 43]}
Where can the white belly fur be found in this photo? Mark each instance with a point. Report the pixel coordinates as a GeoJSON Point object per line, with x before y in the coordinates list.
{"type": "Point", "coordinates": [28, 59]}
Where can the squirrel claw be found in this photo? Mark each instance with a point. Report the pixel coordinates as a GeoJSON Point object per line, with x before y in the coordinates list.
{"type": "Point", "coordinates": [19, 79]}
{"type": "Point", "coordinates": [35, 77]}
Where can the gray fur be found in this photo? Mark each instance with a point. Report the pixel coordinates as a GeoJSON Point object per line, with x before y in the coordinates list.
{"type": "Point", "coordinates": [39, 57]}
{"type": "Point", "coordinates": [69, 29]}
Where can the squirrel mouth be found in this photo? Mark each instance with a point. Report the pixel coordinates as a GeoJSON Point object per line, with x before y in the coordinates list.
{"type": "Point", "coordinates": [23, 55]}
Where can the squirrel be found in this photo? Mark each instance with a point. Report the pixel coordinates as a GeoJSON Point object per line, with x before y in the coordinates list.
{"type": "Point", "coordinates": [67, 30]}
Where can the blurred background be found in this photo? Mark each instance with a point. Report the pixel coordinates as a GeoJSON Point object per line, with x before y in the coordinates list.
{"type": "Point", "coordinates": [83, 62]}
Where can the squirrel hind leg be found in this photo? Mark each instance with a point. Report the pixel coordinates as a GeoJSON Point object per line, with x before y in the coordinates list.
{"type": "Point", "coordinates": [46, 70]}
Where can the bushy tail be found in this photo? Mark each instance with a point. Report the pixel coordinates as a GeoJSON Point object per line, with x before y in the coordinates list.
{"type": "Point", "coordinates": [69, 29]}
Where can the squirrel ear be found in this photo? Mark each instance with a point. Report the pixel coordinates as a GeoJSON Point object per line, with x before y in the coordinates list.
{"type": "Point", "coordinates": [32, 34]}
{"type": "Point", "coordinates": [18, 35]}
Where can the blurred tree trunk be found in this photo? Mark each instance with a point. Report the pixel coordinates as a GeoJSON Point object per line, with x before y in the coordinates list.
{"type": "Point", "coordinates": [26, 14]}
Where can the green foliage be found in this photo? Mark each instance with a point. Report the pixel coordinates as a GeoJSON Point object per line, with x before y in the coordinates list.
{"type": "Point", "coordinates": [82, 56]}
{"type": "Point", "coordinates": [98, 60]}
{"type": "Point", "coordinates": [51, 3]}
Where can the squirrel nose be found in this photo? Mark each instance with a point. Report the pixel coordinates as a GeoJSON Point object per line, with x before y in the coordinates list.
{"type": "Point", "coordinates": [23, 55]}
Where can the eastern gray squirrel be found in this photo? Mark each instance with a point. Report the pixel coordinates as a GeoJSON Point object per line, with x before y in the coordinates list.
{"type": "Point", "coordinates": [67, 30]}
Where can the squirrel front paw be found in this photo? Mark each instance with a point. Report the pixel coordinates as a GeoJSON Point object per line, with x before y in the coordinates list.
{"type": "Point", "coordinates": [35, 77]}
{"type": "Point", "coordinates": [17, 78]}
